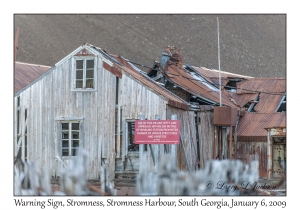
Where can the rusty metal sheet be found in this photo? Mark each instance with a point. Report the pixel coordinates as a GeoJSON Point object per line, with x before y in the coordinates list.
{"type": "Point", "coordinates": [267, 103]}
{"type": "Point", "coordinates": [248, 151]}
{"type": "Point", "coordinates": [212, 73]}
{"type": "Point", "coordinates": [114, 70]}
{"type": "Point", "coordinates": [243, 99]}
{"type": "Point", "coordinates": [269, 85]}
{"type": "Point", "coordinates": [215, 81]}
{"type": "Point", "coordinates": [225, 116]}
{"type": "Point", "coordinates": [252, 126]}
{"type": "Point", "coordinates": [26, 73]}
{"type": "Point", "coordinates": [183, 79]}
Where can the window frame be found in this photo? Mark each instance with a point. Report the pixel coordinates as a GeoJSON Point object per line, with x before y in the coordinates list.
{"type": "Point", "coordinates": [84, 69]}
{"type": "Point", "coordinates": [70, 139]}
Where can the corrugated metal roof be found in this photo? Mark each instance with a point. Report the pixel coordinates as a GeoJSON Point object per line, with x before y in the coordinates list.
{"type": "Point", "coordinates": [254, 124]}
{"type": "Point", "coordinates": [267, 103]}
{"type": "Point", "coordinates": [269, 85]}
{"type": "Point", "coordinates": [25, 73]}
{"type": "Point", "coordinates": [212, 73]}
{"type": "Point", "coordinates": [243, 99]}
{"type": "Point", "coordinates": [183, 79]}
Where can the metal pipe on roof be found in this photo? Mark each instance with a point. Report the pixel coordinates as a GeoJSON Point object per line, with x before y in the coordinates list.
{"type": "Point", "coordinates": [220, 86]}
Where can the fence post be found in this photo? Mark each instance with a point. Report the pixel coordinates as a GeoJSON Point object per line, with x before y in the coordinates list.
{"type": "Point", "coordinates": [141, 146]}
{"type": "Point", "coordinates": [174, 146]}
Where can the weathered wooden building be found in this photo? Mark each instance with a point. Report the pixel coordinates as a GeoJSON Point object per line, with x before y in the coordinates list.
{"type": "Point", "coordinates": [238, 131]}
{"type": "Point", "coordinates": [90, 99]}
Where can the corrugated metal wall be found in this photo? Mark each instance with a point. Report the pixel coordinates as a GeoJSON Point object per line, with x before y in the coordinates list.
{"type": "Point", "coordinates": [248, 151]}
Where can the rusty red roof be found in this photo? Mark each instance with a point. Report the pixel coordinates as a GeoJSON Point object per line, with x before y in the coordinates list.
{"type": "Point", "coordinates": [269, 85]}
{"type": "Point", "coordinates": [243, 99]}
{"type": "Point", "coordinates": [183, 79]}
{"type": "Point", "coordinates": [25, 73]}
{"type": "Point", "coordinates": [267, 103]}
{"type": "Point", "coordinates": [252, 125]}
{"type": "Point", "coordinates": [212, 73]}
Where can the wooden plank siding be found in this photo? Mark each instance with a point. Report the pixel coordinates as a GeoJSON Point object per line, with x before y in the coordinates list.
{"type": "Point", "coordinates": [136, 99]}
{"type": "Point", "coordinates": [188, 135]}
{"type": "Point", "coordinates": [51, 100]}
{"type": "Point", "coordinates": [206, 136]}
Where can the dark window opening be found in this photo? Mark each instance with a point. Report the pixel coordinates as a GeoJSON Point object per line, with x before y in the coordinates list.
{"type": "Point", "coordinates": [231, 86]}
{"type": "Point", "coordinates": [282, 107]}
{"type": "Point", "coordinates": [131, 145]}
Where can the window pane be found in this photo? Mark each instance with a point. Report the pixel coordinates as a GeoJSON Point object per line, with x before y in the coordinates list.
{"type": "Point", "coordinates": [90, 74]}
{"type": "Point", "coordinates": [79, 74]}
{"type": "Point", "coordinates": [75, 126]}
{"type": "Point", "coordinates": [79, 84]}
{"type": "Point", "coordinates": [65, 126]}
{"type": "Point", "coordinates": [65, 135]}
{"type": "Point", "coordinates": [75, 143]}
{"type": "Point", "coordinates": [65, 143]}
{"type": "Point", "coordinates": [65, 152]}
{"type": "Point", "coordinates": [74, 152]}
{"type": "Point", "coordinates": [90, 64]}
{"type": "Point", "coordinates": [75, 135]}
{"type": "Point", "coordinates": [89, 83]}
{"type": "Point", "coordinates": [79, 64]}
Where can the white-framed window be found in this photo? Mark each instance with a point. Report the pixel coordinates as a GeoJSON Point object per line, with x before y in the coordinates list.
{"type": "Point", "coordinates": [84, 73]}
{"type": "Point", "coordinates": [70, 138]}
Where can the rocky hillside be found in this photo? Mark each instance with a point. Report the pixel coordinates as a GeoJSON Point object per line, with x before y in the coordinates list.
{"type": "Point", "coordinates": [253, 45]}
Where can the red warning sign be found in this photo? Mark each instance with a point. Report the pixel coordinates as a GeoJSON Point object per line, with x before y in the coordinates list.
{"type": "Point", "coordinates": [157, 131]}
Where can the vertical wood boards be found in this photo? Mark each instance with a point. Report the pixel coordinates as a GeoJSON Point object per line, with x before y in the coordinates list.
{"type": "Point", "coordinates": [51, 99]}
{"type": "Point", "coordinates": [188, 134]}
{"type": "Point", "coordinates": [206, 136]}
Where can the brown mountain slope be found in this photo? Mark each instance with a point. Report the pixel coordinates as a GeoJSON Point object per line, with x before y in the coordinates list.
{"type": "Point", "coordinates": [253, 45]}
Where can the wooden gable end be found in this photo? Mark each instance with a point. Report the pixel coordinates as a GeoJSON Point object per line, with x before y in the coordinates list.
{"type": "Point", "coordinates": [84, 52]}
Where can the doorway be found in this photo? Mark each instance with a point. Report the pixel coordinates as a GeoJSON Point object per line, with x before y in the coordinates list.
{"type": "Point", "coordinates": [279, 156]}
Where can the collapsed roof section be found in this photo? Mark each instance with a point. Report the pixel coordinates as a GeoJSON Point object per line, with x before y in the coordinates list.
{"type": "Point", "coordinates": [261, 95]}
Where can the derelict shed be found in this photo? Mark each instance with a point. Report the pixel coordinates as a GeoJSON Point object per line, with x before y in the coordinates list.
{"type": "Point", "coordinates": [90, 99]}
{"type": "Point", "coordinates": [262, 137]}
